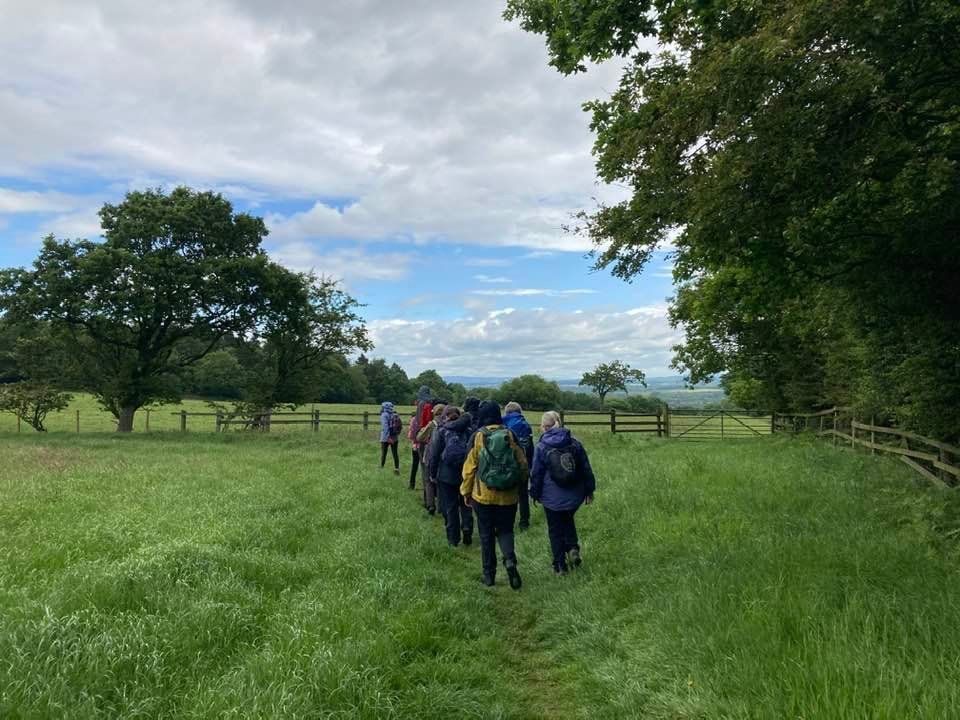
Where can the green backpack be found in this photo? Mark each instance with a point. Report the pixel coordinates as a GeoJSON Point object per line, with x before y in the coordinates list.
{"type": "Point", "coordinates": [498, 468]}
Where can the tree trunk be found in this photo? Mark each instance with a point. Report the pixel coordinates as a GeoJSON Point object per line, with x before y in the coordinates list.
{"type": "Point", "coordinates": [125, 419]}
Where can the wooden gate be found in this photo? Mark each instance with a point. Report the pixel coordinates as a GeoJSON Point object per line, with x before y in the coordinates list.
{"type": "Point", "coordinates": [720, 425]}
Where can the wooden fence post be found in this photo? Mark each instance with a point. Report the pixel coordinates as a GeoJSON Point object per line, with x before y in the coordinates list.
{"type": "Point", "coordinates": [219, 421]}
{"type": "Point", "coordinates": [613, 420]}
{"type": "Point", "coordinates": [183, 421]}
{"type": "Point", "coordinates": [853, 432]}
{"type": "Point", "coordinates": [78, 421]}
{"type": "Point", "coordinates": [773, 423]}
{"type": "Point", "coordinates": [668, 430]}
{"type": "Point", "coordinates": [873, 439]}
{"type": "Point", "coordinates": [147, 426]}
{"type": "Point", "coordinates": [660, 421]}
{"type": "Point", "coordinates": [721, 424]}
{"type": "Point", "coordinates": [316, 420]}
{"type": "Point", "coordinates": [18, 423]}
{"type": "Point", "coordinates": [267, 425]}
{"type": "Point", "coordinates": [561, 418]}
{"type": "Point", "coordinates": [366, 420]}
{"type": "Point", "coordinates": [834, 426]}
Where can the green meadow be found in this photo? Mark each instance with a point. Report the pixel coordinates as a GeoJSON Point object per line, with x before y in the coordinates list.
{"type": "Point", "coordinates": [286, 576]}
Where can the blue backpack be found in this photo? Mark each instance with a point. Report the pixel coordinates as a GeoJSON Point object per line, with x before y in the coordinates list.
{"type": "Point", "coordinates": [395, 425]}
{"type": "Point", "coordinates": [454, 447]}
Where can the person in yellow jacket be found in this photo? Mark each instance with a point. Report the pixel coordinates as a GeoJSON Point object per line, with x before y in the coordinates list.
{"type": "Point", "coordinates": [492, 474]}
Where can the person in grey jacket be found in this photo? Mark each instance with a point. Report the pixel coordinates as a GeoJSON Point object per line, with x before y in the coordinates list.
{"type": "Point", "coordinates": [389, 436]}
{"type": "Point", "coordinates": [561, 480]}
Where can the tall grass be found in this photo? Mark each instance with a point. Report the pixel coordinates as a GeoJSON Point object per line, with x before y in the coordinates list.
{"type": "Point", "coordinates": [286, 576]}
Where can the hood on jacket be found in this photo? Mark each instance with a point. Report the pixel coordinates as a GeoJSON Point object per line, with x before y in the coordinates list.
{"type": "Point", "coordinates": [489, 414]}
{"type": "Point", "coordinates": [424, 393]}
{"type": "Point", "coordinates": [471, 404]}
{"type": "Point", "coordinates": [451, 412]}
{"type": "Point", "coordinates": [386, 407]}
{"type": "Point", "coordinates": [556, 437]}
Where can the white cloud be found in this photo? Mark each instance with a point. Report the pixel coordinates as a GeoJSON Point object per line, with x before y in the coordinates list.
{"type": "Point", "coordinates": [81, 223]}
{"type": "Point", "coordinates": [442, 121]}
{"type": "Point", "coordinates": [487, 262]}
{"type": "Point", "coordinates": [546, 341]}
{"type": "Point", "coordinates": [492, 280]}
{"type": "Point", "coordinates": [27, 201]}
{"type": "Point", "coordinates": [526, 292]}
{"type": "Point", "coordinates": [348, 264]}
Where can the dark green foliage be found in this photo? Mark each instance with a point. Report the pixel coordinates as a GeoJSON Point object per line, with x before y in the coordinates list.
{"type": "Point", "coordinates": [609, 377]}
{"type": "Point", "coordinates": [306, 320]}
{"type": "Point", "coordinates": [9, 371]}
{"type": "Point", "coordinates": [569, 400]}
{"type": "Point", "coordinates": [219, 375]}
{"type": "Point", "coordinates": [635, 404]}
{"type": "Point", "coordinates": [431, 378]}
{"type": "Point", "coordinates": [531, 391]}
{"type": "Point", "coordinates": [386, 382]}
{"type": "Point", "coordinates": [803, 156]}
{"type": "Point", "coordinates": [31, 401]}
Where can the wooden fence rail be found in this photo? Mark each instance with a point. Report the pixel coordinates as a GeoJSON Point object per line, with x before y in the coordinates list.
{"type": "Point", "coordinates": [935, 460]}
{"type": "Point", "coordinates": [720, 425]}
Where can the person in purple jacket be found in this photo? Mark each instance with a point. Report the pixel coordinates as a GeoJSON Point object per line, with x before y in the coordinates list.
{"type": "Point", "coordinates": [561, 480]}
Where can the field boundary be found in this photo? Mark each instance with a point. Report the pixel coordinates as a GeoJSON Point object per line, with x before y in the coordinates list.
{"type": "Point", "coordinates": [663, 423]}
{"type": "Point", "coordinates": [935, 460]}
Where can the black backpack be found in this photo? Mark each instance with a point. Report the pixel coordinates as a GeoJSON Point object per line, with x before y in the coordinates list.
{"type": "Point", "coordinates": [562, 463]}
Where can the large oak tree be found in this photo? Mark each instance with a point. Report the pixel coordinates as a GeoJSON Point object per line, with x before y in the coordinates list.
{"type": "Point", "coordinates": [175, 274]}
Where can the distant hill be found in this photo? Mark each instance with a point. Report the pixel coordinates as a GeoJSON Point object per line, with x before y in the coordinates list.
{"type": "Point", "coordinates": [674, 382]}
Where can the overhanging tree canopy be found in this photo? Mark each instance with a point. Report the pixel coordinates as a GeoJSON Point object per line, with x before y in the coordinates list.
{"type": "Point", "coordinates": [803, 156]}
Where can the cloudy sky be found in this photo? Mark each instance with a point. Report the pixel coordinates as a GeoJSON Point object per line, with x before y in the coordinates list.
{"type": "Point", "coordinates": [422, 151]}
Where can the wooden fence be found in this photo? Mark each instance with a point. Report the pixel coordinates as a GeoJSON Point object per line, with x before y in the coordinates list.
{"type": "Point", "coordinates": [618, 422]}
{"type": "Point", "coordinates": [937, 461]}
{"type": "Point", "coordinates": [265, 421]}
{"type": "Point", "coordinates": [664, 423]}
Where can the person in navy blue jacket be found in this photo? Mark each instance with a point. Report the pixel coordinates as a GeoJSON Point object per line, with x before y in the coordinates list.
{"type": "Point", "coordinates": [516, 423]}
{"type": "Point", "coordinates": [561, 480]}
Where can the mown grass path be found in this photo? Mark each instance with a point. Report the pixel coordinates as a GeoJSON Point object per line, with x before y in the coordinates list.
{"type": "Point", "coordinates": [254, 577]}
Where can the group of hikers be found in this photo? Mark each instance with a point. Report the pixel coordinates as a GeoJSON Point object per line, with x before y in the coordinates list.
{"type": "Point", "coordinates": [477, 464]}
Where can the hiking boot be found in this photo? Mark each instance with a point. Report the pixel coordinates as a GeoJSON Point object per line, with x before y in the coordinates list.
{"type": "Point", "coordinates": [559, 570]}
{"type": "Point", "coordinates": [396, 471]}
{"type": "Point", "coordinates": [575, 558]}
{"type": "Point", "coordinates": [514, 575]}
{"type": "Point", "coordinates": [487, 579]}
{"type": "Point", "coordinates": [467, 538]}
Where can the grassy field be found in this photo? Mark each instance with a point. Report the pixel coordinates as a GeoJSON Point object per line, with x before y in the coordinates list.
{"type": "Point", "coordinates": [207, 576]}
{"type": "Point", "coordinates": [165, 418]}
